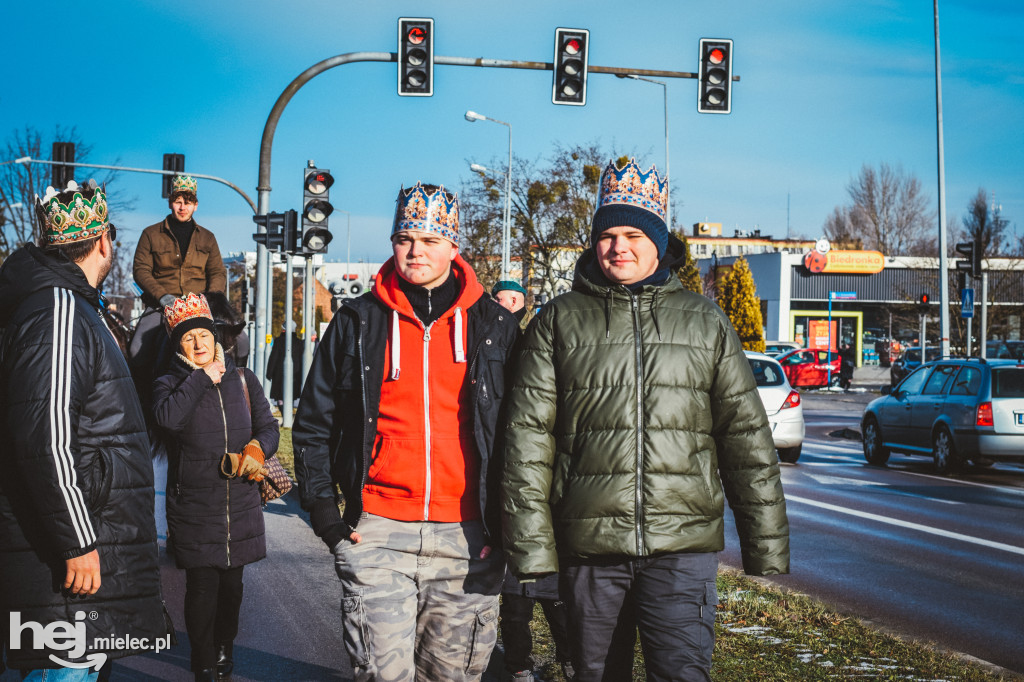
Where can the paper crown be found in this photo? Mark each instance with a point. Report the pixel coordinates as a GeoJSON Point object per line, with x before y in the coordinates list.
{"type": "Point", "coordinates": [75, 221]}
{"type": "Point", "coordinates": [192, 307]}
{"type": "Point", "coordinates": [420, 210]}
{"type": "Point", "coordinates": [184, 183]}
{"type": "Point", "coordinates": [630, 187]}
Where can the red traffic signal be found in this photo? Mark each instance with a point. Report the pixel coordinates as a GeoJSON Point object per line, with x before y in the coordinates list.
{"type": "Point", "coordinates": [924, 300]}
{"type": "Point", "coordinates": [714, 88]}
{"type": "Point", "coordinates": [415, 57]}
{"type": "Point", "coordinates": [569, 84]}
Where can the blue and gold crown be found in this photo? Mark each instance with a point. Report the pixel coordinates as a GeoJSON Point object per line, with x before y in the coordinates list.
{"type": "Point", "coordinates": [78, 219]}
{"type": "Point", "coordinates": [630, 187]}
{"type": "Point", "coordinates": [184, 183]}
{"type": "Point", "coordinates": [434, 212]}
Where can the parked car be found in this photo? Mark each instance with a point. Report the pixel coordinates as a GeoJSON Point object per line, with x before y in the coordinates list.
{"type": "Point", "coordinates": [1005, 349]}
{"type": "Point", "coordinates": [776, 348]}
{"type": "Point", "coordinates": [810, 367]}
{"type": "Point", "coordinates": [954, 410]}
{"type": "Point", "coordinates": [909, 361]}
{"type": "Point", "coordinates": [781, 403]}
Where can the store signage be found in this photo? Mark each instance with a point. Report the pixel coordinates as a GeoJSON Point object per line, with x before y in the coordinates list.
{"type": "Point", "coordinates": [859, 262]}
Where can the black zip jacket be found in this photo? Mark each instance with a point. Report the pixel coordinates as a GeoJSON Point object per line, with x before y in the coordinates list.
{"type": "Point", "coordinates": [77, 472]}
{"type": "Point", "coordinates": [337, 418]}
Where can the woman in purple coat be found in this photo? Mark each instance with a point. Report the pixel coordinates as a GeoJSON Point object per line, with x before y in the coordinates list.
{"type": "Point", "coordinates": [215, 522]}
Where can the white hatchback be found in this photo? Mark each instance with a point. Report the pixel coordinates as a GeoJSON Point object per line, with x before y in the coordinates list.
{"type": "Point", "coordinates": [781, 403]}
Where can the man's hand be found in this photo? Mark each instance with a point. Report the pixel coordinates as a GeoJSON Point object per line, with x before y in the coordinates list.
{"type": "Point", "coordinates": [83, 576]}
{"type": "Point", "coordinates": [215, 370]}
{"type": "Point", "coordinates": [339, 559]}
{"type": "Point", "coordinates": [167, 299]}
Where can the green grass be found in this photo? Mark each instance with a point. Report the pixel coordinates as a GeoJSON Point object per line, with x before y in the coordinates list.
{"type": "Point", "coordinates": [765, 633]}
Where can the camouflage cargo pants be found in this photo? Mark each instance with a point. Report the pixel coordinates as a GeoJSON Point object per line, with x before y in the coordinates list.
{"type": "Point", "coordinates": [417, 601]}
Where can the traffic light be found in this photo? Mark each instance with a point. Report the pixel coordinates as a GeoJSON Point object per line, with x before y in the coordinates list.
{"type": "Point", "coordinates": [281, 231]}
{"type": "Point", "coordinates": [172, 162]}
{"type": "Point", "coordinates": [569, 84]}
{"type": "Point", "coordinates": [63, 152]}
{"type": "Point", "coordinates": [316, 208]}
{"type": "Point", "coordinates": [924, 300]}
{"type": "Point", "coordinates": [714, 89]}
{"type": "Point", "coordinates": [415, 57]}
{"type": "Point", "coordinates": [972, 264]}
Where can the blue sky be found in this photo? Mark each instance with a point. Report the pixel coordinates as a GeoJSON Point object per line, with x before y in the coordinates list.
{"type": "Point", "coordinates": [826, 88]}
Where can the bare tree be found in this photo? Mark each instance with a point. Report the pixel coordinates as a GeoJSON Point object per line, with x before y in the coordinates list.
{"type": "Point", "coordinates": [985, 225]}
{"type": "Point", "coordinates": [888, 212]}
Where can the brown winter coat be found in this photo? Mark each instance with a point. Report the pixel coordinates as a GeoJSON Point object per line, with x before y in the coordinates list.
{"type": "Point", "coordinates": [159, 269]}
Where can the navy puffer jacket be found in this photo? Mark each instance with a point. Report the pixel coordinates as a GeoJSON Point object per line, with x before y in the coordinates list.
{"type": "Point", "coordinates": [212, 521]}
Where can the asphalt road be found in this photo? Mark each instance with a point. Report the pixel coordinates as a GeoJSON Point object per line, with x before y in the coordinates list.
{"type": "Point", "coordinates": [934, 558]}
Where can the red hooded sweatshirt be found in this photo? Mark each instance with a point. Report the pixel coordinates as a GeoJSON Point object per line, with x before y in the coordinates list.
{"type": "Point", "coordinates": [424, 464]}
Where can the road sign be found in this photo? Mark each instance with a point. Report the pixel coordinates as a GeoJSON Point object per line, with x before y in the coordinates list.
{"type": "Point", "coordinates": [966, 303]}
{"type": "Point", "coordinates": [843, 295]}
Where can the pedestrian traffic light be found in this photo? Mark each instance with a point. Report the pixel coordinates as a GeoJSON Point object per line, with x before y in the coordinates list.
{"type": "Point", "coordinates": [172, 162]}
{"type": "Point", "coordinates": [924, 299]}
{"type": "Point", "coordinates": [569, 84]}
{"type": "Point", "coordinates": [714, 89]}
{"type": "Point", "coordinates": [972, 264]}
{"type": "Point", "coordinates": [415, 57]}
{"type": "Point", "coordinates": [64, 154]}
{"type": "Point", "coordinates": [316, 208]}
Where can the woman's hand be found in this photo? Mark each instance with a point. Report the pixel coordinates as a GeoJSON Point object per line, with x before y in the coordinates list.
{"type": "Point", "coordinates": [215, 370]}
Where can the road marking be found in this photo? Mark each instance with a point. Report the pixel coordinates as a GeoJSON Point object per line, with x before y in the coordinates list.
{"type": "Point", "coordinates": [907, 524]}
{"type": "Point", "coordinates": [826, 479]}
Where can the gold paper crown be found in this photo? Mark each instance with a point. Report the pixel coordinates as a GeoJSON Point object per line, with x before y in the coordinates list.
{"type": "Point", "coordinates": [184, 183]}
{"type": "Point", "coordinates": [75, 221]}
{"type": "Point", "coordinates": [191, 307]}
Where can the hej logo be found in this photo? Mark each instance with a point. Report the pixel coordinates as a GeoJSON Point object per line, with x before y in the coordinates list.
{"type": "Point", "coordinates": [59, 635]}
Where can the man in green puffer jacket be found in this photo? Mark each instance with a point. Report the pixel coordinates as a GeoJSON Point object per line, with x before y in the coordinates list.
{"type": "Point", "coordinates": [633, 416]}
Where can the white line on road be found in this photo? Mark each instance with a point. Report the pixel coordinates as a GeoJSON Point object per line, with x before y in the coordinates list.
{"type": "Point", "coordinates": [907, 524]}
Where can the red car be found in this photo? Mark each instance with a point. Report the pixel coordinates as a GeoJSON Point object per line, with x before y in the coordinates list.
{"type": "Point", "coordinates": [810, 367]}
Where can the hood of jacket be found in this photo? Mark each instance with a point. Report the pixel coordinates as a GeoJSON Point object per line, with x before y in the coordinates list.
{"type": "Point", "coordinates": [29, 270]}
{"type": "Point", "coordinates": [387, 289]}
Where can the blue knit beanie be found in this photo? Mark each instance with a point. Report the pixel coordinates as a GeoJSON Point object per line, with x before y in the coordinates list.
{"type": "Point", "coordinates": [616, 215]}
{"type": "Point", "coordinates": [507, 285]}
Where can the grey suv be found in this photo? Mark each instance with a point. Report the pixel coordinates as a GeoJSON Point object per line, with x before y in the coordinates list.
{"type": "Point", "coordinates": [954, 410]}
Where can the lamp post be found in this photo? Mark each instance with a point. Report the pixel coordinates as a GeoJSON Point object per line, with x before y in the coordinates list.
{"type": "Point", "coordinates": [664, 87]}
{"type": "Point", "coordinates": [506, 235]}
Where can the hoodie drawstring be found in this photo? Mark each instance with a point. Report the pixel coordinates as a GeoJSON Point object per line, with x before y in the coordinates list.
{"type": "Point", "coordinates": [396, 347]}
{"type": "Point", "coordinates": [460, 348]}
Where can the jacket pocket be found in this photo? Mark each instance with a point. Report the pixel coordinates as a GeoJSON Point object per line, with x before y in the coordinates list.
{"type": "Point", "coordinates": [485, 636]}
{"type": "Point", "coordinates": [353, 617]}
{"type": "Point", "coordinates": [165, 260]}
{"type": "Point", "coordinates": [99, 481]}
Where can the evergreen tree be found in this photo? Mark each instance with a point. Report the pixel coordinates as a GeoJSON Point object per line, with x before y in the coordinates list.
{"type": "Point", "coordinates": [737, 296]}
{"type": "Point", "coordinates": [688, 273]}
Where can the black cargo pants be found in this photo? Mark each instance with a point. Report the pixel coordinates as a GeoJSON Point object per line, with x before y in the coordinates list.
{"type": "Point", "coordinates": [670, 598]}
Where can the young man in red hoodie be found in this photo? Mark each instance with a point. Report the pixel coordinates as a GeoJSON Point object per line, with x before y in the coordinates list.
{"type": "Point", "coordinates": [400, 410]}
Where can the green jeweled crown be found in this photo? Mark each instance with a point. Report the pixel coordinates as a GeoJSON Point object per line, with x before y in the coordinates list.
{"type": "Point", "coordinates": [77, 220]}
{"type": "Point", "coordinates": [184, 183]}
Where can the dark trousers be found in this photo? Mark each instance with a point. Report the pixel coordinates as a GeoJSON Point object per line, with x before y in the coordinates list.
{"type": "Point", "coordinates": [516, 614]}
{"type": "Point", "coordinates": [670, 598]}
{"type": "Point", "coordinates": [213, 598]}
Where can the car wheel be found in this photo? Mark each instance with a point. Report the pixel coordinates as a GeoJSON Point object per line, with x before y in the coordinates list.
{"type": "Point", "coordinates": [790, 455]}
{"type": "Point", "coordinates": [874, 452]}
{"type": "Point", "coordinates": [944, 451]}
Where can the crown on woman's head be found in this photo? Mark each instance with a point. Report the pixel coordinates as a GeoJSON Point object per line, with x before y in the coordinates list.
{"type": "Point", "coordinates": [419, 209]}
{"type": "Point", "coordinates": [78, 219]}
{"type": "Point", "coordinates": [192, 307]}
{"type": "Point", "coordinates": [632, 187]}
{"type": "Point", "coordinates": [184, 183]}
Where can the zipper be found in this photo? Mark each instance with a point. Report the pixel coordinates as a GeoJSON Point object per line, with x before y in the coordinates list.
{"type": "Point", "coordinates": [639, 425]}
{"type": "Point", "coordinates": [366, 409]}
{"type": "Point", "coordinates": [426, 415]}
{"type": "Point", "coordinates": [227, 482]}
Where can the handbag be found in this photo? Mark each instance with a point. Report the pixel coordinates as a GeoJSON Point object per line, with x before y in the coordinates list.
{"type": "Point", "coordinates": [276, 482]}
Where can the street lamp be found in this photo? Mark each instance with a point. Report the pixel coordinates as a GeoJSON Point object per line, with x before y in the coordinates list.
{"type": "Point", "coordinates": [668, 191]}
{"type": "Point", "coordinates": [506, 236]}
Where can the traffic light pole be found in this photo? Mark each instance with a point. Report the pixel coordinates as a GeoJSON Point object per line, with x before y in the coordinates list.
{"type": "Point", "coordinates": [263, 187]}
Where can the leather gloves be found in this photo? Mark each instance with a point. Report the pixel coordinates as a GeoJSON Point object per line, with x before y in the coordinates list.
{"type": "Point", "coordinates": [248, 463]}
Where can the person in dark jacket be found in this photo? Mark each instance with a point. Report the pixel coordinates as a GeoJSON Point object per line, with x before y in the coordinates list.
{"type": "Point", "coordinates": [518, 599]}
{"type": "Point", "coordinates": [400, 408]}
{"type": "Point", "coordinates": [216, 449]}
{"type": "Point", "coordinates": [275, 366]}
{"type": "Point", "coordinates": [848, 361]}
{"type": "Point", "coordinates": [78, 543]}
{"type": "Point", "coordinates": [632, 416]}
